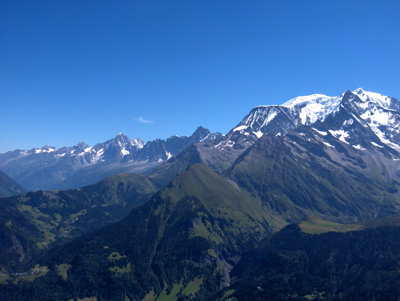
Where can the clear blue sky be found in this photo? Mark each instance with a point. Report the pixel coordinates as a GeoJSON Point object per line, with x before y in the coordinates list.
{"type": "Point", "coordinates": [87, 70]}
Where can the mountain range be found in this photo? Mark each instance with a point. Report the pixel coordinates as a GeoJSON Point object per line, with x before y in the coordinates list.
{"type": "Point", "coordinates": [49, 168]}
{"type": "Point", "coordinates": [199, 224]}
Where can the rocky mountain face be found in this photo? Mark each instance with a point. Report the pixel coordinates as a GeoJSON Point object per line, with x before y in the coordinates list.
{"type": "Point", "coordinates": [305, 172]}
{"type": "Point", "coordinates": [49, 168]}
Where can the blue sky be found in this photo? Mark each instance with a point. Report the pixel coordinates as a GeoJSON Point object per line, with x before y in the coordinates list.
{"type": "Point", "coordinates": [87, 70]}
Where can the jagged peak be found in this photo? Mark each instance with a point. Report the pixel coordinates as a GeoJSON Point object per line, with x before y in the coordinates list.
{"type": "Point", "coordinates": [367, 96]}
{"type": "Point", "coordinates": [201, 129]}
{"type": "Point", "coordinates": [48, 147]}
{"type": "Point", "coordinates": [358, 91]}
{"type": "Point", "coordinates": [81, 145]}
{"type": "Point", "coordinates": [121, 135]}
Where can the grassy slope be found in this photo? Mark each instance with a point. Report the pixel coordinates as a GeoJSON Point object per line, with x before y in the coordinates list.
{"type": "Point", "coordinates": [316, 225]}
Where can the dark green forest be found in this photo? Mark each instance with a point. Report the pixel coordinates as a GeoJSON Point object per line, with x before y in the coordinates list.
{"type": "Point", "coordinates": [293, 265]}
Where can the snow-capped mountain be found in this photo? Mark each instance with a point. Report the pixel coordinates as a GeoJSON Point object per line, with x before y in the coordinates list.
{"type": "Point", "coordinates": [361, 119]}
{"type": "Point", "coordinates": [340, 116]}
{"type": "Point", "coordinates": [364, 120]}
{"type": "Point", "coordinates": [72, 167]}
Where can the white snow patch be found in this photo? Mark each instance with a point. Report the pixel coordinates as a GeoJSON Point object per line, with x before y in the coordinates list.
{"type": "Point", "coordinates": [206, 137]}
{"type": "Point", "coordinates": [376, 144]}
{"type": "Point", "coordinates": [340, 134]}
{"type": "Point", "coordinates": [98, 155]}
{"type": "Point", "coordinates": [230, 143]}
{"type": "Point", "coordinates": [358, 147]}
{"type": "Point", "coordinates": [169, 156]}
{"type": "Point", "coordinates": [41, 150]}
{"type": "Point", "coordinates": [327, 144]}
{"type": "Point", "coordinates": [377, 116]}
{"type": "Point", "coordinates": [124, 152]}
{"type": "Point", "coordinates": [240, 128]}
{"type": "Point", "coordinates": [258, 134]}
{"type": "Point", "coordinates": [218, 145]}
{"type": "Point", "coordinates": [23, 153]}
{"type": "Point", "coordinates": [320, 132]}
{"type": "Point", "coordinates": [138, 142]}
{"type": "Point", "coordinates": [385, 141]}
{"type": "Point", "coordinates": [270, 117]}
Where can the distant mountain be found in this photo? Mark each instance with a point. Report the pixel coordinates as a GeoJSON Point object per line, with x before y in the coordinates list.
{"type": "Point", "coordinates": [49, 168]}
{"type": "Point", "coordinates": [8, 187]}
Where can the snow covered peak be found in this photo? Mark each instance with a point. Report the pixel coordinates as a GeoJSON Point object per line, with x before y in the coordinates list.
{"type": "Point", "coordinates": [379, 99]}
{"type": "Point", "coordinates": [372, 111]}
{"type": "Point", "coordinates": [359, 91]}
{"type": "Point", "coordinates": [303, 100]}
{"type": "Point", "coordinates": [313, 107]}
{"type": "Point", "coordinates": [121, 140]}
